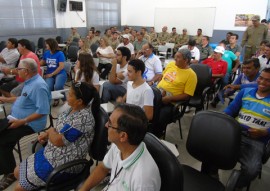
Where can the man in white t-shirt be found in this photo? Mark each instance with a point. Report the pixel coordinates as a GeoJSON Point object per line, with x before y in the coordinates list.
{"type": "Point", "coordinates": [265, 58]}
{"type": "Point", "coordinates": [117, 84]}
{"type": "Point", "coordinates": [138, 91]}
{"type": "Point", "coordinates": [153, 66]}
{"type": "Point", "coordinates": [127, 44]}
{"type": "Point", "coordinates": [130, 163]}
{"type": "Point", "coordinates": [195, 52]}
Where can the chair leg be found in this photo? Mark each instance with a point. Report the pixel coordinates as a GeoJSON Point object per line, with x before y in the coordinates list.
{"type": "Point", "coordinates": [18, 150]}
{"type": "Point", "coordinates": [248, 187]}
{"type": "Point", "coordinates": [180, 128]}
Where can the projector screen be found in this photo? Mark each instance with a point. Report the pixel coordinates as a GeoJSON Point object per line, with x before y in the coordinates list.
{"type": "Point", "coordinates": [189, 18]}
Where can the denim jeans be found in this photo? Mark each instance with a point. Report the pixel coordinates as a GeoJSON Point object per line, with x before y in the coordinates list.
{"type": "Point", "coordinates": [112, 91]}
{"type": "Point", "coordinates": [57, 82]}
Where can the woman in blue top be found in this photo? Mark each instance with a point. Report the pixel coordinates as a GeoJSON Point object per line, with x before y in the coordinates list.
{"type": "Point", "coordinates": [56, 75]}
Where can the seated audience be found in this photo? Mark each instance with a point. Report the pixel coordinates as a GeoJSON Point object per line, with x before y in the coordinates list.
{"type": "Point", "coordinates": [153, 66]}
{"type": "Point", "coordinates": [178, 84]}
{"type": "Point", "coordinates": [249, 108]}
{"type": "Point", "coordinates": [139, 42]}
{"type": "Point", "coordinates": [74, 34]}
{"type": "Point", "coordinates": [261, 50]}
{"type": "Point", "coordinates": [205, 49]}
{"type": "Point", "coordinates": [227, 40]}
{"type": "Point", "coordinates": [107, 36]}
{"type": "Point", "coordinates": [92, 39]}
{"type": "Point", "coordinates": [248, 78]}
{"type": "Point", "coordinates": [265, 58]}
{"type": "Point", "coordinates": [181, 40]}
{"type": "Point", "coordinates": [153, 35]}
{"type": "Point", "coordinates": [163, 36]}
{"type": "Point", "coordinates": [84, 46]}
{"type": "Point", "coordinates": [130, 163]}
{"type": "Point", "coordinates": [105, 54]}
{"type": "Point", "coordinates": [68, 141]}
{"type": "Point", "coordinates": [86, 70]}
{"type": "Point", "coordinates": [29, 112]}
{"type": "Point", "coordinates": [10, 55]}
{"type": "Point", "coordinates": [13, 87]}
{"type": "Point", "coordinates": [233, 46]}
{"type": "Point", "coordinates": [198, 37]}
{"type": "Point", "coordinates": [230, 58]}
{"type": "Point", "coordinates": [125, 43]}
{"type": "Point", "coordinates": [173, 36]}
{"type": "Point", "coordinates": [145, 35]}
{"type": "Point", "coordinates": [117, 84]}
{"type": "Point", "coordinates": [195, 52]}
{"type": "Point", "coordinates": [54, 59]}
{"type": "Point", "coordinates": [138, 91]}
{"type": "Point", "coordinates": [218, 66]}
{"type": "Point", "coordinates": [114, 40]}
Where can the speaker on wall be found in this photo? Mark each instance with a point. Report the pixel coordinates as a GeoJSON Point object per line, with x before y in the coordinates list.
{"type": "Point", "coordinates": [62, 5]}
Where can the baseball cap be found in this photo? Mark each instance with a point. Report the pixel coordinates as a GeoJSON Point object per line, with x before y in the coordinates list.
{"type": "Point", "coordinates": [255, 18]}
{"type": "Point", "coordinates": [125, 36]}
{"type": "Point", "coordinates": [219, 49]}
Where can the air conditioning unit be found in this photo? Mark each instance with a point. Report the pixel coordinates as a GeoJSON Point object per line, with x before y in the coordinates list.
{"type": "Point", "coordinates": [75, 6]}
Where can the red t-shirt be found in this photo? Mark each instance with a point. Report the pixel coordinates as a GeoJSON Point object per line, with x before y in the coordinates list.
{"type": "Point", "coordinates": [29, 55]}
{"type": "Point", "coordinates": [218, 67]}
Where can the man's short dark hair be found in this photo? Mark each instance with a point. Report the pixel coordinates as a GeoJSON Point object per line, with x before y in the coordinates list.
{"type": "Point", "coordinates": [255, 61]}
{"type": "Point", "coordinates": [125, 52]}
{"type": "Point", "coordinates": [264, 42]}
{"type": "Point", "coordinates": [236, 36]}
{"type": "Point", "coordinates": [192, 42]}
{"type": "Point", "coordinates": [200, 30]}
{"type": "Point", "coordinates": [150, 46]}
{"type": "Point", "coordinates": [207, 37]}
{"type": "Point", "coordinates": [173, 28]}
{"type": "Point", "coordinates": [26, 43]}
{"type": "Point", "coordinates": [230, 33]}
{"type": "Point", "coordinates": [264, 21]}
{"type": "Point", "coordinates": [133, 121]}
{"type": "Point", "coordinates": [138, 65]}
{"type": "Point", "coordinates": [267, 45]}
{"type": "Point", "coordinates": [14, 41]}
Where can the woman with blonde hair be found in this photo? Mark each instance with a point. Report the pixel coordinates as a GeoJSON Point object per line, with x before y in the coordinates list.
{"type": "Point", "coordinates": [105, 54]}
{"type": "Point", "coordinates": [84, 46]}
{"type": "Point", "coordinates": [86, 70]}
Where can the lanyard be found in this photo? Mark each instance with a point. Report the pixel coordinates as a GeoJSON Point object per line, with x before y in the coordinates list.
{"type": "Point", "coordinates": [115, 176]}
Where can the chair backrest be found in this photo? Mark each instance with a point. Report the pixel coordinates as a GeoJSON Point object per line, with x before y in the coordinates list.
{"type": "Point", "coordinates": [67, 67]}
{"type": "Point", "coordinates": [169, 45]}
{"type": "Point", "coordinates": [41, 43]}
{"type": "Point", "coordinates": [94, 47]}
{"type": "Point", "coordinates": [157, 105]}
{"type": "Point", "coordinates": [75, 39]}
{"type": "Point", "coordinates": [100, 142]}
{"type": "Point", "coordinates": [59, 39]}
{"type": "Point", "coordinates": [214, 138]}
{"type": "Point", "coordinates": [204, 75]}
{"type": "Point", "coordinates": [169, 167]}
{"type": "Point", "coordinates": [33, 46]}
{"type": "Point", "coordinates": [3, 45]}
{"type": "Point", "coordinates": [162, 48]}
{"type": "Point", "coordinates": [72, 53]}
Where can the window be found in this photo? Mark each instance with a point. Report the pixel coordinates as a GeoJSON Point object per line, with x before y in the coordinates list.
{"type": "Point", "coordinates": [19, 17]}
{"type": "Point", "coordinates": [103, 13]}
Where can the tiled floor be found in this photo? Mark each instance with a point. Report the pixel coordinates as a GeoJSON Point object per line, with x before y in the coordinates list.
{"type": "Point", "coordinates": [173, 136]}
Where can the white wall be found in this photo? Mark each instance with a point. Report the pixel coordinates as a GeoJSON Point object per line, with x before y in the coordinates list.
{"type": "Point", "coordinates": [70, 18]}
{"type": "Point", "coordinates": [142, 12]}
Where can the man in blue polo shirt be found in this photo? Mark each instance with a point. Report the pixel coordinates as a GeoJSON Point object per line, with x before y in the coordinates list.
{"type": "Point", "coordinates": [29, 115]}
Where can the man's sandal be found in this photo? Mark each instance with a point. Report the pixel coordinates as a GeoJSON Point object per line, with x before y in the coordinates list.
{"type": "Point", "coordinates": [6, 181]}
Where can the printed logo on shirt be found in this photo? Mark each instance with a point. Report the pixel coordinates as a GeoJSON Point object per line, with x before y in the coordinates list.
{"type": "Point", "coordinates": [170, 77]}
{"type": "Point", "coordinates": [51, 63]}
{"type": "Point", "coordinates": [267, 111]}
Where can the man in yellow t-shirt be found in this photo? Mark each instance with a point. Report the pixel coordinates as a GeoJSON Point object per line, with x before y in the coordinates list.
{"type": "Point", "coordinates": [178, 83]}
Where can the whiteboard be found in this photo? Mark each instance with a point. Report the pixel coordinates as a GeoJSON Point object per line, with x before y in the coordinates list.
{"type": "Point", "coordinates": [189, 18]}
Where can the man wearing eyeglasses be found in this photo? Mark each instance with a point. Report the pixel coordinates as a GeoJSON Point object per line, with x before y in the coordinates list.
{"type": "Point", "coordinates": [28, 115]}
{"type": "Point", "coordinates": [130, 163]}
{"type": "Point", "coordinates": [252, 110]}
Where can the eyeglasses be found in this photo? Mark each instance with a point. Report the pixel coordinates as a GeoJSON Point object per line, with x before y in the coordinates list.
{"type": "Point", "coordinates": [78, 86]}
{"type": "Point", "coordinates": [115, 128]}
{"type": "Point", "coordinates": [265, 79]}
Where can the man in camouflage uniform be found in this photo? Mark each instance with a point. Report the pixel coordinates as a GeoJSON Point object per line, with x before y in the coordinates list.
{"type": "Point", "coordinates": [173, 36]}
{"type": "Point", "coordinates": [114, 40]}
{"type": "Point", "coordinates": [163, 36]}
{"type": "Point", "coordinates": [181, 40]}
{"type": "Point", "coordinates": [253, 36]}
{"type": "Point", "coordinates": [145, 35]}
{"type": "Point", "coordinates": [198, 37]}
{"type": "Point", "coordinates": [92, 39]}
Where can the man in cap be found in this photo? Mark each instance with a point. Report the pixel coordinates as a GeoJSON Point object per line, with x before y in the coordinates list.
{"type": "Point", "coordinates": [218, 66]}
{"type": "Point", "coordinates": [253, 36]}
{"type": "Point", "coordinates": [126, 43]}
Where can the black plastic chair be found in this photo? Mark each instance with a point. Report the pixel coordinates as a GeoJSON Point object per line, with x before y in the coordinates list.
{"type": "Point", "coordinates": [204, 75]}
{"type": "Point", "coordinates": [40, 47]}
{"type": "Point", "coordinates": [157, 103]}
{"type": "Point", "coordinates": [3, 45]}
{"type": "Point", "coordinates": [72, 53]}
{"type": "Point", "coordinates": [214, 138]}
{"type": "Point", "coordinates": [97, 151]}
{"type": "Point", "coordinates": [59, 39]}
{"type": "Point", "coordinates": [169, 167]}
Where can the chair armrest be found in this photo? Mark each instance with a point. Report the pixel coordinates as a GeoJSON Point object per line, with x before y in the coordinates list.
{"type": "Point", "coordinates": [231, 183]}
{"type": "Point", "coordinates": [266, 153]}
{"type": "Point", "coordinates": [85, 171]}
{"type": "Point", "coordinates": [37, 145]}
{"type": "Point", "coordinates": [179, 109]}
{"type": "Point", "coordinates": [205, 91]}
